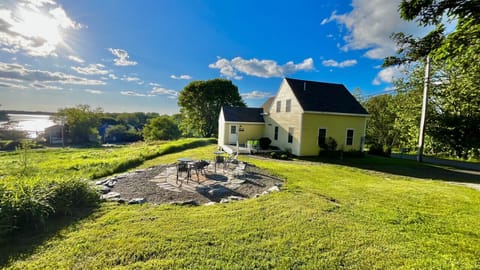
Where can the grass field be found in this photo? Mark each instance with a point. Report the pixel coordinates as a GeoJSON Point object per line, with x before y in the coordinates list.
{"type": "Point", "coordinates": [361, 214]}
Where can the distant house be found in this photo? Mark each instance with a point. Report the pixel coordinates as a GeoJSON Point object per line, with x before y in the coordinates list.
{"type": "Point", "coordinates": [299, 119]}
{"type": "Point", "coordinates": [54, 134]}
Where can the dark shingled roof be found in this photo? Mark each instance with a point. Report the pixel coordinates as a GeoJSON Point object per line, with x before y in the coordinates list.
{"type": "Point", "coordinates": [325, 97]}
{"type": "Point", "coordinates": [239, 114]}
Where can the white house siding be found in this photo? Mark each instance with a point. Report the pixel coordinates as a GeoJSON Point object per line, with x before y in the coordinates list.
{"type": "Point", "coordinates": [285, 120]}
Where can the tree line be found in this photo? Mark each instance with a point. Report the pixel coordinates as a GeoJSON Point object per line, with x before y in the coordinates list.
{"type": "Point", "coordinates": [453, 103]}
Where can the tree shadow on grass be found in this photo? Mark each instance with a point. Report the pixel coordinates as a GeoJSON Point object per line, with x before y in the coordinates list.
{"type": "Point", "coordinates": [23, 243]}
{"type": "Point", "coordinates": [408, 168]}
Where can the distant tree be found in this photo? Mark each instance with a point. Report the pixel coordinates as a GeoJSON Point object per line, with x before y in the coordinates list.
{"type": "Point", "coordinates": [200, 103]}
{"type": "Point", "coordinates": [161, 128]}
{"type": "Point", "coordinates": [121, 133]}
{"type": "Point", "coordinates": [380, 125]}
{"type": "Point", "coordinates": [3, 116]}
{"type": "Point", "coordinates": [82, 122]}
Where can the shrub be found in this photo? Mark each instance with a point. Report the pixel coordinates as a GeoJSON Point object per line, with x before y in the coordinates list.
{"type": "Point", "coordinates": [29, 202]}
{"type": "Point", "coordinates": [265, 143]}
{"type": "Point", "coordinates": [379, 150]}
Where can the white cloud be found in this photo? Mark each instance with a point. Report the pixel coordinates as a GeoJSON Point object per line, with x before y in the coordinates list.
{"type": "Point", "coordinates": [134, 94]}
{"type": "Point", "coordinates": [181, 77]}
{"type": "Point", "coordinates": [333, 63]}
{"type": "Point", "coordinates": [122, 57]}
{"type": "Point", "coordinates": [259, 68]}
{"type": "Point", "coordinates": [370, 24]}
{"type": "Point", "coordinates": [387, 75]}
{"type": "Point", "coordinates": [34, 27]}
{"type": "Point", "coordinates": [93, 91]}
{"type": "Point", "coordinates": [130, 79]}
{"type": "Point", "coordinates": [112, 76]}
{"type": "Point", "coordinates": [41, 86]}
{"type": "Point", "coordinates": [154, 84]}
{"type": "Point", "coordinates": [21, 73]}
{"type": "Point", "coordinates": [256, 95]}
{"type": "Point", "coordinates": [92, 69]}
{"type": "Point", "coordinates": [164, 91]}
{"type": "Point", "coordinates": [76, 59]}
{"type": "Point", "coordinates": [4, 84]}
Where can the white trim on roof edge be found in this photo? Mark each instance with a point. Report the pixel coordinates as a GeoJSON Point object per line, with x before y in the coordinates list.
{"type": "Point", "coordinates": [253, 123]}
{"type": "Point", "coordinates": [338, 113]}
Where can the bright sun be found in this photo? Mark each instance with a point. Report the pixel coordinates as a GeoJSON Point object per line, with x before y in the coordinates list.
{"type": "Point", "coordinates": [36, 25]}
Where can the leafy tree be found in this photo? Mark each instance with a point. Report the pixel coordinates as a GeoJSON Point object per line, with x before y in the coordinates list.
{"type": "Point", "coordinates": [200, 103]}
{"type": "Point", "coordinates": [3, 115]}
{"type": "Point", "coordinates": [380, 125]}
{"type": "Point", "coordinates": [161, 128]}
{"type": "Point", "coordinates": [81, 122]}
{"type": "Point", "coordinates": [431, 12]}
{"type": "Point", "coordinates": [121, 133]}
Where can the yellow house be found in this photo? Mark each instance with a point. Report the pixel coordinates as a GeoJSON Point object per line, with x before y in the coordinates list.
{"type": "Point", "coordinates": [300, 118]}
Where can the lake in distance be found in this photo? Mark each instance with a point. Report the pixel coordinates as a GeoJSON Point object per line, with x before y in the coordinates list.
{"type": "Point", "coordinates": [34, 124]}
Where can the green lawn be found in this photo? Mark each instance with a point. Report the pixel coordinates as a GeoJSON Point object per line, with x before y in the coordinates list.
{"type": "Point", "coordinates": [361, 214]}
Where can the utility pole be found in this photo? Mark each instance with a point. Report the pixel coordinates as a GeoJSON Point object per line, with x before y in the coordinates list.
{"type": "Point", "coordinates": [421, 136]}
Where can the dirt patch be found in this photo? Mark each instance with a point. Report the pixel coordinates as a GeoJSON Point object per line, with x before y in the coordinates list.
{"type": "Point", "coordinates": [160, 185]}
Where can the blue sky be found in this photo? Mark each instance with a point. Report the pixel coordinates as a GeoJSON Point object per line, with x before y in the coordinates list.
{"type": "Point", "coordinates": [126, 56]}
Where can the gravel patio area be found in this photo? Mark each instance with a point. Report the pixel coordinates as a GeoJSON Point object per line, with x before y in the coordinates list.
{"type": "Point", "coordinates": [159, 185]}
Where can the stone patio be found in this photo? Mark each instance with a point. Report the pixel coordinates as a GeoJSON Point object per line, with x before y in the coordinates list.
{"type": "Point", "coordinates": [159, 185]}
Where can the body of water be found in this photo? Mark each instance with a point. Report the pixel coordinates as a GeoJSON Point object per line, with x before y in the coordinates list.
{"type": "Point", "coordinates": [34, 124]}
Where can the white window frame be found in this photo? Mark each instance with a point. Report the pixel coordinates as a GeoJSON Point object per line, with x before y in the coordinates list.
{"type": "Point", "coordinates": [288, 105]}
{"type": "Point", "coordinates": [353, 137]}
{"type": "Point", "coordinates": [290, 134]}
{"type": "Point", "coordinates": [318, 134]}
{"type": "Point", "coordinates": [276, 130]}
{"type": "Point", "coordinates": [279, 106]}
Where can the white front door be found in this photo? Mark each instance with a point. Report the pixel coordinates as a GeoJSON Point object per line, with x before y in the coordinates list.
{"type": "Point", "coordinates": [232, 134]}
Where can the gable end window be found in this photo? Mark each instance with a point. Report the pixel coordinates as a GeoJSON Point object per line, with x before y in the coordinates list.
{"type": "Point", "coordinates": [275, 135]}
{"type": "Point", "coordinates": [349, 140]}
{"type": "Point", "coordinates": [279, 106]}
{"type": "Point", "coordinates": [290, 134]}
{"type": "Point", "coordinates": [322, 136]}
{"type": "Point", "coordinates": [288, 105]}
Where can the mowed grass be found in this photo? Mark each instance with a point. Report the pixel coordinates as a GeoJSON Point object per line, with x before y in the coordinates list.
{"type": "Point", "coordinates": [87, 163]}
{"type": "Point", "coordinates": [326, 217]}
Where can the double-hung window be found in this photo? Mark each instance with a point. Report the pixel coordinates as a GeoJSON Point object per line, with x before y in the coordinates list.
{"type": "Point", "coordinates": [279, 106]}
{"type": "Point", "coordinates": [322, 136]}
{"type": "Point", "coordinates": [288, 105]}
{"type": "Point", "coordinates": [349, 140]}
{"type": "Point", "coordinates": [275, 135]}
{"type": "Point", "coordinates": [290, 134]}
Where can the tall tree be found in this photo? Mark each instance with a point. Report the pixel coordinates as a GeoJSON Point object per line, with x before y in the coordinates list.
{"type": "Point", "coordinates": [200, 103]}
{"type": "Point", "coordinates": [82, 122]}
{"type": "Point", "coordinates": [161, 128]}
{"type": "Point", "coordinates": [380, 130]}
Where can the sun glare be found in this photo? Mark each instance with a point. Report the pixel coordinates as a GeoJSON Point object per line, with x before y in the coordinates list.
{"type": "Point", "coordinates": [36, 25]}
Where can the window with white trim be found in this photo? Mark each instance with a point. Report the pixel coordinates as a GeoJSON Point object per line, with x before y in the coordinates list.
{"type": "Point", "coordinates": [275, 135]}
{"type": "Point", "coordinates": [288, 105]}
{"type": "Point", "coordinates": [290, 134]}
{"type": "Point", "coordinates": [349, 140]}
{"type": "Point", "coordinates": [322, 136]}
{"type": "Point", "coordinates": [279, 106]}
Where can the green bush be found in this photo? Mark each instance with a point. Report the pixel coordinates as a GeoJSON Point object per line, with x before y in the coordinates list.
{"type": "Point", "coordinates": [29, 203]}
{"type": "Point", "coordinates": [380, 150]}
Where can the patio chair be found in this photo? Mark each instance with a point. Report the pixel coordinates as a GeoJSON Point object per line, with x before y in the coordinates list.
{"type": "Point", "coordinates": [219, 160]}
{"type": "Point", "coordinates": [200, 166]}
{"type": "Point", "coordinates": [183, 167]}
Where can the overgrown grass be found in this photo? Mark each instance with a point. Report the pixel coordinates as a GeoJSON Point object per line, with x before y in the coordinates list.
{"type": "Point", "coordinates": [327, 217]}
{"type": "Point", "coordinates": [36, 185]}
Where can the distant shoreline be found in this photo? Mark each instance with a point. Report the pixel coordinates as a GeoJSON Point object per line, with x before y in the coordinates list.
{"type": "Point", "coordinates": [27, 112]}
